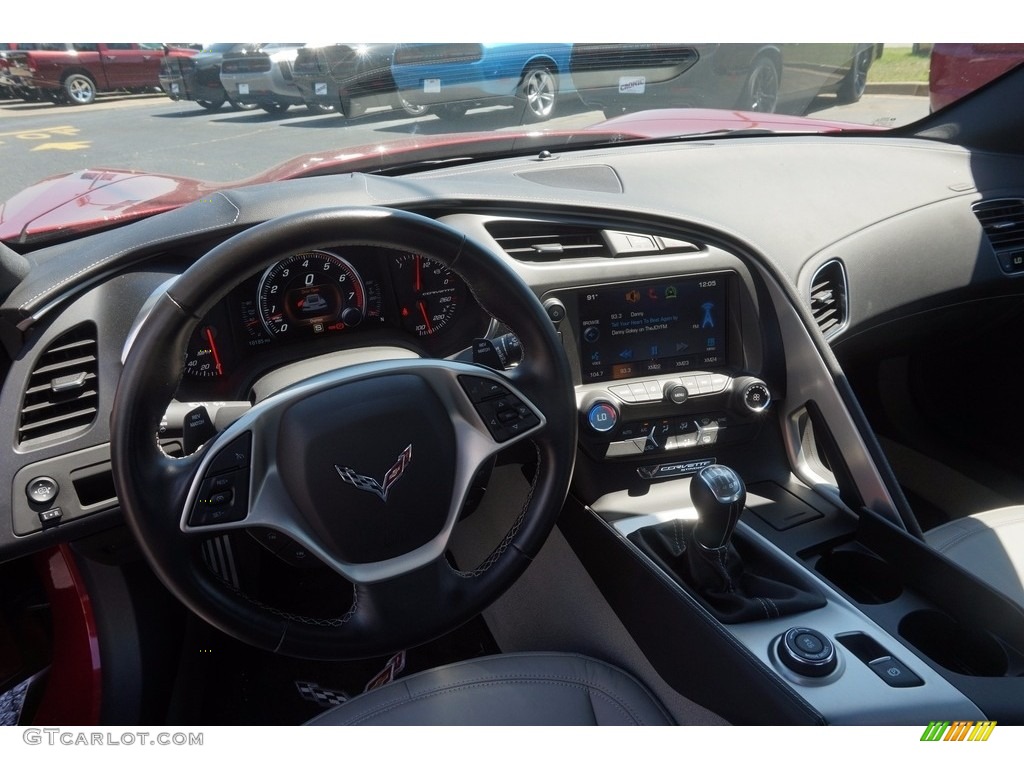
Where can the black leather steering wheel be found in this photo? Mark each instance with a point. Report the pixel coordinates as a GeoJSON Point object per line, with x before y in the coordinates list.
{"type": "Point", "coordinates": [366, 466]}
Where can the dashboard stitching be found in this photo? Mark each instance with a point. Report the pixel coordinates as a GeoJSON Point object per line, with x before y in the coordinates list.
{"type": "Point", "coordinates": [134, 247]}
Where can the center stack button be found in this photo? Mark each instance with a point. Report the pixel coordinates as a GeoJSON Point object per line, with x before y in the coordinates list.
{"type": "Point", "coordinates": [602, 417]}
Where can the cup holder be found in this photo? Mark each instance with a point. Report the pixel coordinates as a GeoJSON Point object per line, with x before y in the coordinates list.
{"type": "Point", "coordinates": [864, 578]}
{"type": "Point", "coordinates": [956, 647]}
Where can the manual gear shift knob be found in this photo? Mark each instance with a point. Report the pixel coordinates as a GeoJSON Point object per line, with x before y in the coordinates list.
{"type": "Point", "coordinates": [718, 494]}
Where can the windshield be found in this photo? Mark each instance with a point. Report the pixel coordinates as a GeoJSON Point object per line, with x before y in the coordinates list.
{"type": "Point", "coordinates": [214, 115]}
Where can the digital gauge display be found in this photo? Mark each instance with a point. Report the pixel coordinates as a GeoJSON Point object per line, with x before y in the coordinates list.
{"type": "Point", "coordinates": [653, 328]}
{"type": "Point", "coordinates": [314, 292]}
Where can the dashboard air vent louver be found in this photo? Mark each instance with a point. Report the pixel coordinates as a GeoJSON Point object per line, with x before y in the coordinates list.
{"type": "Point", "coordinates": [546, 241]}
{"type": "Point", "coordinates": [1003, 223]}
{"type": "Point", "coordinates": [829, 298]}
{"type": "Point", "coordinates": [62, 396]}
{"type": "Point", "coordinates": [527, 240]}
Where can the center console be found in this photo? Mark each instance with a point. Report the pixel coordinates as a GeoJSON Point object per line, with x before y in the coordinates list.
{"type": "Point", "coordinates": [676, 373]}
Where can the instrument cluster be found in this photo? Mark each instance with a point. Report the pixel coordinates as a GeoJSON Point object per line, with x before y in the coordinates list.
{"type": "Point", "coordinates": [312, 301]}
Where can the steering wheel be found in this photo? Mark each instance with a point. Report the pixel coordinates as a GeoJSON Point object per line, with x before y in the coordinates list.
{"type": "Point", "coordinates": [366, 466]}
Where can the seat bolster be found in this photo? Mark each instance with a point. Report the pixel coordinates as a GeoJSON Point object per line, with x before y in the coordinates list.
{"type": "Point", "coordinates": [988, 544]}
{"type": "Point", "coordinates": [511, 689]}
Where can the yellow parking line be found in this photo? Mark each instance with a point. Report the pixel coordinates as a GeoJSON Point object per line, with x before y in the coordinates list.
{"type": "Point", "coordinates": [43, 133]}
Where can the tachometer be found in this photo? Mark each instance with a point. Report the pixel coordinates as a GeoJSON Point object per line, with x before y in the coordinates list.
{"type": "Point", "coordinates": [310, 293]}
{"type": "Point", "coordinates": [429, 294]}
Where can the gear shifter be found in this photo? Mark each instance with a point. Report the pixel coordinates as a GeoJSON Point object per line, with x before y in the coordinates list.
{"type": "Point", "coordinates": [736, 584]}
{"type": "Point", "coordinates": [718, 494]}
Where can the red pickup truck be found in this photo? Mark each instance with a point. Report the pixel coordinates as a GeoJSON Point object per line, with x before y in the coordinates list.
{"type": "Point", "coordinates": [75, 72]}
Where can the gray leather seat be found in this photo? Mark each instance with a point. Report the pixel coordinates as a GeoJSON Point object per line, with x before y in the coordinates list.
{"type": "Point", "coordinates": [988, 544]}
{"type": "Point", "coordinates": [512, 689]}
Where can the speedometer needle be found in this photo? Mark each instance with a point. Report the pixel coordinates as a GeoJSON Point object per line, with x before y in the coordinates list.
{"type": "Point", "coordinates": [213, 350]}
{"type": "Point", "coordinates": [426, 318]}
{"type": "Point", "coordinates": [419, 274]}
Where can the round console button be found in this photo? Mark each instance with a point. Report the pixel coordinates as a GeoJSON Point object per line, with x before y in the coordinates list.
{"type": "Point", "coordinates": [807, 652]}
{"type": "Point", "coordinates": [602, 417]}
{"type": "Point", "coordinates": [42, 490]}
{"type": "Point", "coordinates": [677, 393]}
{"type": "Point", "coordinates": [756, 397]}
{"type": "Point", "coordinates": [555, 310]}
{"type": "Point", "coordinates": [808, 643]}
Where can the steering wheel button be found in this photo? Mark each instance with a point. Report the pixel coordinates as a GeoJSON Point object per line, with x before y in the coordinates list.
{"type": "Point", "coordinates": [220, 499]}
{"type": "Point", "coordinates": [221, 482]}
{"type": "Point", "coordinates": [269, 538]}
{"type": "Point", "coordinates": [480, 389]}
{"type": "Point", "coordinates": [235, 455]}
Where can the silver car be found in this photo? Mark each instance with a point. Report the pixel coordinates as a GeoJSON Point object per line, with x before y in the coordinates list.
{"type": "Point", "coordinates": [264, 77]}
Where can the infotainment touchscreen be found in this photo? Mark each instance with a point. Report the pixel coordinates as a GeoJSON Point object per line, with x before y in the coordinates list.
{"type": "Point", "coordinates": [651, 328]}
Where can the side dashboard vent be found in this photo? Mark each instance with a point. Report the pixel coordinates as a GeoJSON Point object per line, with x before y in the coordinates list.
{"type": "Point", "coordinates": [527, 240]}
{"type": "Point", "coordinates": [830, 298]}
{"type": "Point", "coordinates": [1003, 223]}
{"type": "Point", "coordinates": [62, 396]}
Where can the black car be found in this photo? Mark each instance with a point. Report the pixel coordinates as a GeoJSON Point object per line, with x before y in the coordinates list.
{"type": "Point", "coordinates": [349, 78]}
{"type": "Point", "coordinates": [756, 77]}
{"type": "Point", "coordinates": [198, 79]}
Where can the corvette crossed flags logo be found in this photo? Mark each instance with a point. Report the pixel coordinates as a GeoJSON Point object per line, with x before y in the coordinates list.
{"type": "Point", "coordinates": [367, 483]}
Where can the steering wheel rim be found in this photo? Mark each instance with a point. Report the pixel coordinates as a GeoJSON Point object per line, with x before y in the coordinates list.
{"type": "Point", "coordinates": [391, 609]}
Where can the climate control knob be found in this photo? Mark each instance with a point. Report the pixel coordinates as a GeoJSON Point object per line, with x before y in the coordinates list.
{"type": "Point", "coordinates": [602, 417]}
{"type": "Point", "coordinates": [753, 394]}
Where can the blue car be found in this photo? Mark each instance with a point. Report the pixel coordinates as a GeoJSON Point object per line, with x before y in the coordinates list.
{"type": "Point", "coordinates": [452, 78]}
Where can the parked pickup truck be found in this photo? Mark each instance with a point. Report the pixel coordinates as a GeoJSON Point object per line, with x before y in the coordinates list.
{"type": "Point", "coordinates": [75, 72]}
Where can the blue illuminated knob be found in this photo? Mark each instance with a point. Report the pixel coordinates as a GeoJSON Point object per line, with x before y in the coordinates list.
{"type": "Point", "coordinates": [602, 417]}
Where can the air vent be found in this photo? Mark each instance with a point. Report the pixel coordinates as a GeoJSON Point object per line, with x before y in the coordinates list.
{"type": "Point", "coordinates": [829, 298]}
{"type": "Point", "coordinates": [62, 396]}
{"type": "Point", "coordinates": [527, 240]}
{"type": "Point", "coordinates": [544, 241]}
{"type": "Point", "coordinates": [1003, 222]}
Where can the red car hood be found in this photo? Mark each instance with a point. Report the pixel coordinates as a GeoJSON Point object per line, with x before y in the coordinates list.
{"type": "Point", "coordinates": [95, 198]}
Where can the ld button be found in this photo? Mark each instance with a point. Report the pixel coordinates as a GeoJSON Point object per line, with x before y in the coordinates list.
{"type": "Point", "coordinates": [602, 417]}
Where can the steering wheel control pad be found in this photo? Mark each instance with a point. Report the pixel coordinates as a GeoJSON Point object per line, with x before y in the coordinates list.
{"type": "Point", "coordinates": [504, 414]}
{"type": "Point", "coordinates": [370, 465]}
{"type": "Point", "coordinates": [224, 495]}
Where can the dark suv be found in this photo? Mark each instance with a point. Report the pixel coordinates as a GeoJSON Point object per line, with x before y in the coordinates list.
{"type": "Point", "coordinates": [198, 79]}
